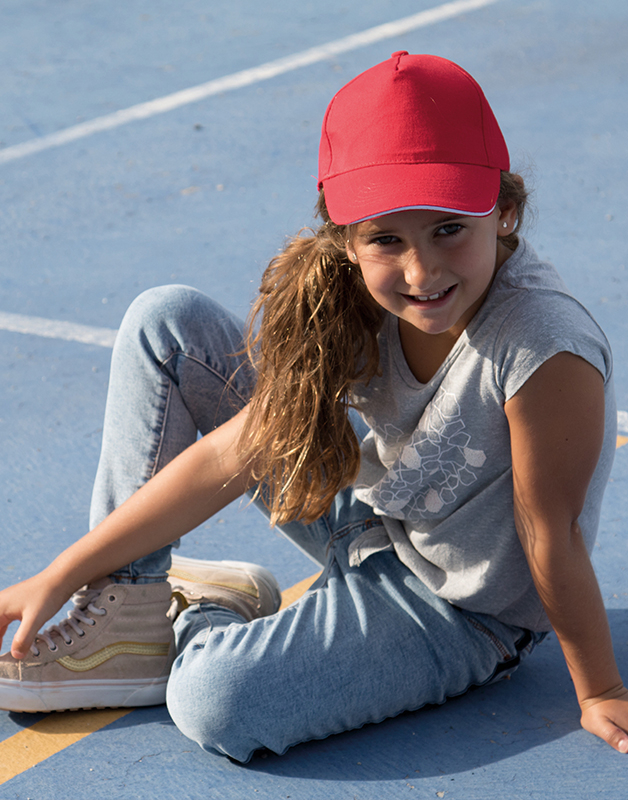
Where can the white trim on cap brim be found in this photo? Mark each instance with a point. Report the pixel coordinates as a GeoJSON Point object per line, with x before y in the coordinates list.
{"type": "Point", "coordinates": [425, 208]}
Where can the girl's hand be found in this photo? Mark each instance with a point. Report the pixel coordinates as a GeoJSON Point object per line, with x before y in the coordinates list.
{"type": "Point", "coordinates": [606, 716]}
{"type": "Point", "coordinates": [34, 602]}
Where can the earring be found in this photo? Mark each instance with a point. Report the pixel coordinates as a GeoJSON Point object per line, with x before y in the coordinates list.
{"type": "Point", "coordinates": [353, 257]}
{"type": "Point", "coordinates": [504, 224]}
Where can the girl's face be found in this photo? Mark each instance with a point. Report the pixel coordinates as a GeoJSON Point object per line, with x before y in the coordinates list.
{"type": "Point", "coordinates": [432, 269]}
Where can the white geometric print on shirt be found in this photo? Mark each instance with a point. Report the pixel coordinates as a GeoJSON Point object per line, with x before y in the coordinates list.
{"type": "Point", "coordinates": [428, 470]}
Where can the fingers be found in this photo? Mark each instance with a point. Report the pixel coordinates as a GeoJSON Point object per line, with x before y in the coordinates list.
{"type": "Point", "coordinates": [617, 738]}
{"type": "Point", "coordinates": [18, 650]}
{"type": "Point", "coordinates": [24, 638]}
{"type": "Point", "coordinates": [32, 601]}
{"type": "Point", "coordinates": [622, 743]}
{"type": "Point", "coordinates": [609, 721]}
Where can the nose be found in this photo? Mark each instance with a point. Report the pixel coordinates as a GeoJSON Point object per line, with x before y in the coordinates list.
{"type": "Point", "coordinates": [420, 271]}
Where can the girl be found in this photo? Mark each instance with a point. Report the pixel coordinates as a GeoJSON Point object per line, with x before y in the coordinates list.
{"type": "Point", "coordinates": [451, 539]}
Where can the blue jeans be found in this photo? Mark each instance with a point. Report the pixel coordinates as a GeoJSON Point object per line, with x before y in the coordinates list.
{"type": "Point", "coordinates": [366, 643]}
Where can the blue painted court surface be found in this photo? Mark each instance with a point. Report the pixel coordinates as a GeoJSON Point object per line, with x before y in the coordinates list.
{"type": "Point", "coordinates": [204, 194]}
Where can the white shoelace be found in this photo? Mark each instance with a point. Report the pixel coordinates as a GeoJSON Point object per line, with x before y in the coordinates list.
{"type": "Point", "coordinates": [83, 604]}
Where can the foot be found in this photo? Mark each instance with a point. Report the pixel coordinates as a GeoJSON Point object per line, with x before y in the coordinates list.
{"type": "Point", "coordinates": [115, 648]}
{"type": "Point", "coordinates": [247, 589]}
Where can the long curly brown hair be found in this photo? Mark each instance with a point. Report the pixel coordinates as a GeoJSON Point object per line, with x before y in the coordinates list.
{"type": "Point", "coordinates": [317, 338]}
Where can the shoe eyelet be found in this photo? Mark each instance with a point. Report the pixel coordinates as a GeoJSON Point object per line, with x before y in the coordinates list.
{"type": "Point", "coordinates": [81, 634]}
{"type": "Point", "coordinates": [53, 649]}
{"type": "Point", "coordinates": [70, 643]}
{"type": "Point", "coordinates": [112, 598]}
{"type": "Point", "coordinates": [92, 622]}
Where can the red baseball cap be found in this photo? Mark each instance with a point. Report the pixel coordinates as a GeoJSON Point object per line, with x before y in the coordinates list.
{"type": "Point", "coordinates": [412, 132]}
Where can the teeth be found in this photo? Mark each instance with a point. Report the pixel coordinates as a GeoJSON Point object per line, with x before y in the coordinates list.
{"type": "Point", "coordinates": [437, 296]}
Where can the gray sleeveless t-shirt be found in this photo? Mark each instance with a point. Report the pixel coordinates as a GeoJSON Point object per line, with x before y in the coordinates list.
{"type": "Point", "coordinates": [436, 464]}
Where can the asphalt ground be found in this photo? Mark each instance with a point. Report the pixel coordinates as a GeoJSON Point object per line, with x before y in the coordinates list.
{"type": "Point", "coordinates": [202, 189]}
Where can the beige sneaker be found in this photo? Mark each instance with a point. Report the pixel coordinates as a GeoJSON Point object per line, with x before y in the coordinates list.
{"type": "Point", "coordinates": [248, 589]}
{"type": "Point", "coordinates": [115, 648]}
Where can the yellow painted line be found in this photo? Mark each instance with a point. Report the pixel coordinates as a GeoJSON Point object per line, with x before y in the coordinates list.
{"type": "Point", "coordinates": [292, 594]}
{"type": "Point", "coordinates": [622, 440]}
{"type": "Point", "coordinates": [49, 736]}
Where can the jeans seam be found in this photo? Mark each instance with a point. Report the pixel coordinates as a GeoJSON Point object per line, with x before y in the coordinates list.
{"type": "Point", "coordinates": [208, 367]}
{"type": "Point", "coordinates": [501, 647]}
{"type": "Point", "coordinates": [162, 429]}
{"type": "Point", "coordinates": [363, 525]}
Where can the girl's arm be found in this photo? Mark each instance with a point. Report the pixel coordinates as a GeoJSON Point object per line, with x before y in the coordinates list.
{"type": "Point", "coordinates": [557, 427]}
{"type": "Point", "coordinates": [198, 483]}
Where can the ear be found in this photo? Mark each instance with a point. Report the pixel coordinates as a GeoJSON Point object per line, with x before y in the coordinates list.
{"type": "Point", "coordinates": [507, 219]}
{"type": "Point", "coordinates": [350, 252]}
{"type": "Point", "coordinates": [507, 210]}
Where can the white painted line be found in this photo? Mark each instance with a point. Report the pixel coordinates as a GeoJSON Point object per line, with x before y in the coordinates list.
{"type": "Point", "coordinates": [57, 329]}
{"type": "Point", "coordinates": [244, 78]}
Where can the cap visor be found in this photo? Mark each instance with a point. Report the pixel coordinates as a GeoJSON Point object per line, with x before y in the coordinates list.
{"type": "Point", "coordinates": [375, 191]}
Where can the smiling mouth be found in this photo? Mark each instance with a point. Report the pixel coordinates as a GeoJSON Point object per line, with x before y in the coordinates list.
{"type": "Point", "coordinates": [424, 298]}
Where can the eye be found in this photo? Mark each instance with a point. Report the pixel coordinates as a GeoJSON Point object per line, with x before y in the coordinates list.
{"type": "Point", "coordinates": [385, 239]}
{"type": "Point", "coordinates": [451, 229]}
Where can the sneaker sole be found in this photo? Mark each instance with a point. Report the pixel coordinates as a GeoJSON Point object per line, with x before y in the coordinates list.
{"type": "Point", "coordinates": [260, 574]}
{"type": "Point", "coordinates": [31, 696]}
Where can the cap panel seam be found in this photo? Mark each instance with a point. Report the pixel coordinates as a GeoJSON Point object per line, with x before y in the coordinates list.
{"type": "Point", "coordinates": [481, 97]}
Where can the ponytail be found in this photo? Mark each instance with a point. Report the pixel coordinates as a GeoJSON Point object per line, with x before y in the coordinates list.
{"type": "Point", "coordinates": [317, 338]}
